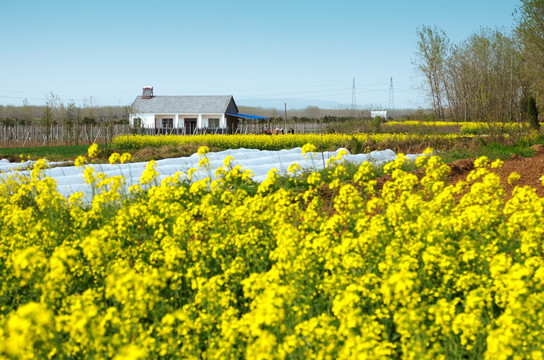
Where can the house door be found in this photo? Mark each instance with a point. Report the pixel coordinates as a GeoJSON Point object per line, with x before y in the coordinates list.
{"type": "Point", "coordinates": [190, 126]}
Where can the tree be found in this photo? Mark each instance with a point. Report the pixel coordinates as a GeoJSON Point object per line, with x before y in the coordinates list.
{"type": "Point", "coordinates": [483, 78]}
{"type": "Point", "coordinates": [57, 107]}
{"type": "Point", "coordinates": [495, 74]}
{"type": "Point", "coordinates": [47, 118]}
{"type": "Point", "coordinates": [532, 114]}
{"type": "Point", "coordinates": [89, 111]}
{"type": "Point", "coordinates": [71, 116]}
{"type": "Point", "coordinates": [432, 50]}
{"type": "Point", "coordinates": [530, 32]}
{"type": "Point", "coordinates": [312, 112]}
{"type": "Point", "coordinates": [47, 121]}
{"type": "Point", "coordinates": [26, 117]}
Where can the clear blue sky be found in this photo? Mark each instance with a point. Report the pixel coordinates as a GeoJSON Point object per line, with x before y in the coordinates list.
{"type": "Point", "coordinates": [250, 49]}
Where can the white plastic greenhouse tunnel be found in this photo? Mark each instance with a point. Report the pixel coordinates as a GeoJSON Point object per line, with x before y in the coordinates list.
{"type": "Point", "coordinates": [70, 178]}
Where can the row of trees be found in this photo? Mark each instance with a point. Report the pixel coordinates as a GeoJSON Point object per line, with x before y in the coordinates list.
{"type": "Point", "coordinates": [491, 76]}
{"type": "Point", "coordinates": [55, 111]}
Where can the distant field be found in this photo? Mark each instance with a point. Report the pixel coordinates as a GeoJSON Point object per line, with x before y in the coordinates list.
{"type": "Point", "coordinates": [399, 136]}
{"type": "Point", "coordinates": [451, 127]}
{"type": "Point", "coordinates": [356, 143]}
{"type": "Point", "coordinates": [53, 153]}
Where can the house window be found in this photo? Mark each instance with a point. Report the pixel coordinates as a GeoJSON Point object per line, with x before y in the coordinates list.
{"type": "Point", "coordinates": [137, 122]}
{"type": "Point", "coordinates": [168, 123]}
{"type": "Point", "coordinates": [213, 123]}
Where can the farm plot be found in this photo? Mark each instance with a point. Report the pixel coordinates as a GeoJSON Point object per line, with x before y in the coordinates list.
{"type": "Point", "coordinates": [72, 179]}
{"type": "Point", "coordinates": [228, 268]}
{"type": "Point", "coordinates": [356, 143]}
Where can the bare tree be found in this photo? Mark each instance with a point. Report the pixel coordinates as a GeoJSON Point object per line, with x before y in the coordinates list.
{"type": "Point", "coordinates": [57, 107]}
{"type": "Point", "coordinates": [530, 33]}
{"type": "Point", "coordinates": [89, 111]}
{"type": "Point", "coordinates": [26, 113]}
{"type": "Point", "coordinates": [432, 51]}
{"type": "Point", "coordinates": [483, 78]}
{"type": "Point", "coordinates": [476, 79]}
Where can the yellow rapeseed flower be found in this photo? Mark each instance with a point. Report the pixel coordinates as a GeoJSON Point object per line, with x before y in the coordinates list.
{"type": "Point", "coordinates": [93, 151]}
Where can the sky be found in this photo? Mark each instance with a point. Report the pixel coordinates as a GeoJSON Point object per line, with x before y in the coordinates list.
{"type": "Point", "coordinates": [265, 53]}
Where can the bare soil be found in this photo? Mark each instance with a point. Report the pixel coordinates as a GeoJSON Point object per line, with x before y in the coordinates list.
{"type": "Point", "coordinates": [531, 170]}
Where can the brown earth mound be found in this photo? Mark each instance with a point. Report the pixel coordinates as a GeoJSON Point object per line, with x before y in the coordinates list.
{"type": "Point", "coordinates": [460, 168]}
{"type": "Point", "coordinates": [531, 170]}
{"type": "Point", "coordinates": [538, 148]}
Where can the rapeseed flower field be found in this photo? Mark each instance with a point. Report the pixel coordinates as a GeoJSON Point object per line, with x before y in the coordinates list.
{"type": "Point", "coordinates": [226, 269]}
{"type": "Point", "coordinates": [278, 142]}
{"type": "Point", "coordinates": [466, 127]}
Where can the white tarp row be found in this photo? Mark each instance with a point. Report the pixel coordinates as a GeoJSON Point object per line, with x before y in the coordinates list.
{"type": "Point", "coordinates": [70, 178]}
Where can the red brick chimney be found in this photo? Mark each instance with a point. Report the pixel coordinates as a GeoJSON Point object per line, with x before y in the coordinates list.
{"type": "Point", "coordinates": [148, 92]}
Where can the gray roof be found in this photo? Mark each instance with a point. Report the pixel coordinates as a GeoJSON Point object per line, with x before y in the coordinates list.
{"type": "Point", "coordinates": [185, 104]}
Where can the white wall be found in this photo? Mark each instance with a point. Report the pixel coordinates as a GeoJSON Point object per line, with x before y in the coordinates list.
{"type": "Point", "coordinates": [155, 120]}
{"type": "Point", "coordinates": [382, 113]}
{"type": "Point", "coordinates": [206, 122]}
{"type": "Point", "coordinates": [148, 120]}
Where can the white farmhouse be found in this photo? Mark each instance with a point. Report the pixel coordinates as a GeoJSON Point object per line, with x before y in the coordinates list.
{"type": "Point", "coordinates": [186, 114]}
{"type": "Point", "coordinates": [382, 113]}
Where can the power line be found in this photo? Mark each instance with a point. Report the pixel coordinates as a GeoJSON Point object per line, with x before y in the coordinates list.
{"type": "Point", "coordinates": [20, 97]}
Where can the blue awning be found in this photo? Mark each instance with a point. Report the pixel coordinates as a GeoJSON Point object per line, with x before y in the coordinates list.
{"type": "Point", "coordinates": [247, 116]}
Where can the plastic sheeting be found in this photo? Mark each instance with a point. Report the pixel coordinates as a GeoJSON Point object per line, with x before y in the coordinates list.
{"type": "Point", "coordinates": [70, 179]}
